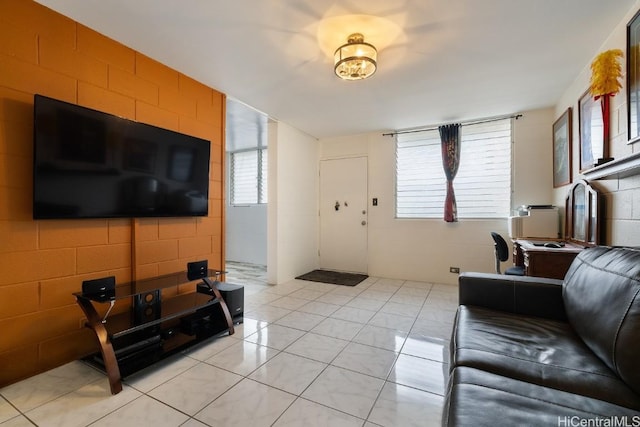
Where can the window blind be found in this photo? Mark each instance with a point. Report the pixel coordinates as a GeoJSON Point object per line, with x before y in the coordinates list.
{"type": "Point", "coordinates": [262, 194]}
{"type": "Point", "coordinates": [248, 177]}
{"type": "Point", "coordinates": [482, 184]}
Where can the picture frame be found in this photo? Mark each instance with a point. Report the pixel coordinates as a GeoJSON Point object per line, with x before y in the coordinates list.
{"type": "Point", "coordinates": [633, 79]}
{"type": "Point", "coordinates": [562, 142]}
{"type": "Point", "coordinates": [591, 131]}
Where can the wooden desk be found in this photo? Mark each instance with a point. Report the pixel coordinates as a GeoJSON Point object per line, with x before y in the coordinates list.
{"type": "Point", "coordinates": [541, 261]}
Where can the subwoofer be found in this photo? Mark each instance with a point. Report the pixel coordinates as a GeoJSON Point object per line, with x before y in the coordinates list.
{"type": "Point", "coordinates": [233, 295]}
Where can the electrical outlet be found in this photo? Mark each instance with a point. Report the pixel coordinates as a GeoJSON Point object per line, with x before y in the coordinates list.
{"type": "Point", "coordinates": [455, 270]}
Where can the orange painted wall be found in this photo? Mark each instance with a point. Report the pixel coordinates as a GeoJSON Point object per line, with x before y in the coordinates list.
{"type": "Point", "coordinates": [43, 262]}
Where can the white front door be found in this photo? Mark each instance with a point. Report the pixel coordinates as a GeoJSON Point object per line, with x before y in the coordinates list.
{"type": "Point", "coordinates": [343, 214]}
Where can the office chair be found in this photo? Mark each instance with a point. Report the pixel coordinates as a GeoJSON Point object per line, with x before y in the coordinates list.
{"type": "Point", "coordinates": [502, 254]}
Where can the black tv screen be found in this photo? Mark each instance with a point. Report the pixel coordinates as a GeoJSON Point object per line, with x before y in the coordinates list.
{"type": "Point", "coordinates": [89, 164]}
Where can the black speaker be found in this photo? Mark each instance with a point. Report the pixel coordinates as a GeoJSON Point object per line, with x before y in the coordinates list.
{"type": "Point", "coordinates": [233, 295]}
{"type": "Point", "coordinates": [146, 307]}
{"type": "Point", "coordinates": [197, 269]}
{"type": "Point", "coordinates": [103, 289]}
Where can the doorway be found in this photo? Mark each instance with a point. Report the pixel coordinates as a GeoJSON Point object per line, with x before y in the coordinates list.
{"type": "Point", "coordinates": [246, 208]}
{"type": "Point", "coordinates": [344, 215]}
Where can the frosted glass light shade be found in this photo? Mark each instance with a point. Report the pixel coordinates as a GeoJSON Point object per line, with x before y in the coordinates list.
{"type": "Point", "coordinates": [355, 60]}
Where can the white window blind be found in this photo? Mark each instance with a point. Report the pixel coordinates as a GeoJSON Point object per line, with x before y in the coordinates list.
{"type": "Point", "coordinates": [482, 185]}
{"type": "Point", "coordinates": [263, 177]}
{"type": "Point", "coordinates": [248, 178]}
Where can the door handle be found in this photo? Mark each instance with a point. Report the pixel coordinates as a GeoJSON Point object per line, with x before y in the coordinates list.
{"type": "Point", "coordinates": [364, 222]}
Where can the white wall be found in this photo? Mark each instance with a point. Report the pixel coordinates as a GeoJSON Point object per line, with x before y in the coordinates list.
{"type": "Point", "coordinates": [533, 158]}
{"type": "Point", "coordinates": [293, 203]}
{"type": "Point", "coordinates": [246, 228]}
{"type": "Point", "coordinates": [622, 196]}
{"type": "Point", "coordinates": [425, 249]}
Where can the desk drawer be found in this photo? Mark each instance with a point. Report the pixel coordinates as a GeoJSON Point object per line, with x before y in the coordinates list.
{"type": "Point", "coordinates": [548, 264]}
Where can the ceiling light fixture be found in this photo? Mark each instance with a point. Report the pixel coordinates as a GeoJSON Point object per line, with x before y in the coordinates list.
{"type": "Point", "coordinates": [355, 60]}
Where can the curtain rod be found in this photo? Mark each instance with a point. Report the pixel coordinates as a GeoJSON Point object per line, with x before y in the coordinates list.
{"type": "Point", "coordinates": [472, 122]}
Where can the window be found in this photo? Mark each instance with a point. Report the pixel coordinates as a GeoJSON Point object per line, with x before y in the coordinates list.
{"type": "Point", "coordinates": [248, 177]}
{"type": "Point", "coordinates": [483, 182]}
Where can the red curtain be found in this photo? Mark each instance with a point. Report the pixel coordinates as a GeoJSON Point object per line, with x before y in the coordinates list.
{"type": "Point", "coordinates": [450, 144]}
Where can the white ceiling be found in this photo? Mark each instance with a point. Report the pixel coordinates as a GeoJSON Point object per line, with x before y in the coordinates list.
{"type": "Point", "coordinates": [454, 59]}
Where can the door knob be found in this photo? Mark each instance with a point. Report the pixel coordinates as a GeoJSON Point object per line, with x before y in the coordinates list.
{"type": "Point", "coordinates": [364, 223]}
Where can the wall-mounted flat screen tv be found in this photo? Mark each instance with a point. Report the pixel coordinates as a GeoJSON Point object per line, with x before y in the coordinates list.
{"type": "Point", "coordinates": [90, 164]}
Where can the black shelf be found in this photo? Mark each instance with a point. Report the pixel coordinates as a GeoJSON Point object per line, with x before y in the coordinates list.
{"type": "Point", "coordinates": [155, 326]}
{"type": "Point", "coordinates": [173, 308]}
{"type": "Point", "coordinates": [151, 284]}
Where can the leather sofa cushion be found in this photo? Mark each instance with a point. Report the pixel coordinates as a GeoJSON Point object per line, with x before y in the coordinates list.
{"type": "Point", "coordinates": [476, 398]}
{"type": "Point", "coordinates": [601, 293]}
{"type": "Point", "coordinates": [532, 349]}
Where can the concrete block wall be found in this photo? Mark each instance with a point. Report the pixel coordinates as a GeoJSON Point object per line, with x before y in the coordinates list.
{"type": "Point", "coordinates": [43, 262]}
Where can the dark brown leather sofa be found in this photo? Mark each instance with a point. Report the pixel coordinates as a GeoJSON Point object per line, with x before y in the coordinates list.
{"type": "Point", "coordinates": [528, 351]}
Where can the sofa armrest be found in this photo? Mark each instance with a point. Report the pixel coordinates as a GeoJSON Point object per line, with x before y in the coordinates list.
{"type": "Point", "coordinates": [531, 296]}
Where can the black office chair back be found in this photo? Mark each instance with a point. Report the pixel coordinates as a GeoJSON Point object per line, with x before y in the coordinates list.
{"type": "Point", "coordinates": [501, 250]}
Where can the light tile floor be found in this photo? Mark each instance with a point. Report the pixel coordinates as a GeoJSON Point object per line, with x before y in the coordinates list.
{"type": "Point", "coordinates": [308, 354]}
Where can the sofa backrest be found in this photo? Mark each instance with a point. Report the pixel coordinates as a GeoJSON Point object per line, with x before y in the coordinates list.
{"type": "Point", "coordinates": [601, 293]}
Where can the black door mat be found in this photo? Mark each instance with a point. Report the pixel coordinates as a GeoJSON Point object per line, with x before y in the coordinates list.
{"type": "Point", "coordinates": [333, 277]}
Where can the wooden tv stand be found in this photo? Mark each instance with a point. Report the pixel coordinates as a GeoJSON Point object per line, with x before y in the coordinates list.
{"type": "Point", "coordinates": [153, 328]}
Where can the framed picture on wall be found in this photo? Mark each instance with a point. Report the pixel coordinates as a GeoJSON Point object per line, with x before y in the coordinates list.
{"type": "Point", "coordinates": [591, 139]}
{"type": "Point", "coordinates": [562, 150]}
{"type": "Point", "coordinates": [633, 78]}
